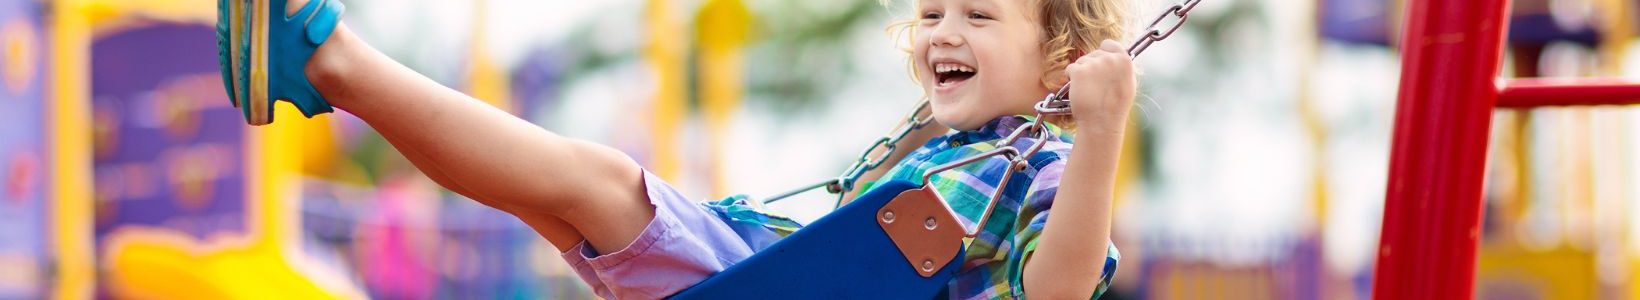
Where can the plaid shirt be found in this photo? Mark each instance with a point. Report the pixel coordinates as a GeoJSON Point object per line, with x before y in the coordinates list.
{"type": "Point", "coordinates": [994, 263]}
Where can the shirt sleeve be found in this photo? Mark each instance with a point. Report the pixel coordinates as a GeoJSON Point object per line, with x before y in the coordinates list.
{"type": "Point", "coordinates": [1033, 216]}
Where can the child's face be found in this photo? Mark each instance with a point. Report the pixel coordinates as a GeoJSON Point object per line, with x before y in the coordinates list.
{"type": "Point", "coordinates": [978, 59]}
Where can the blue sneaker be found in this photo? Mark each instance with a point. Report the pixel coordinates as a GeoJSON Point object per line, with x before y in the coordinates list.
{"type": "Point", "coordinates": [263, 53]}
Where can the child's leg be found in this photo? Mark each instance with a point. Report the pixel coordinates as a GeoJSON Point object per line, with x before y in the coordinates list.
{"type": "Point", "coordinates": [566, 189]}
{"type": "Point", "coordinates": [555, 230]}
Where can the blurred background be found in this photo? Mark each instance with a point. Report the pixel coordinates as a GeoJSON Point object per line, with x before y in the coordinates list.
{"type": "Point", "coordinates": [1255, 170]}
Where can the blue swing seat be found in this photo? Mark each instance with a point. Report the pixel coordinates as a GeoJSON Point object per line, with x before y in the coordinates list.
{"type": "Point", "coordinates": [844, 255]}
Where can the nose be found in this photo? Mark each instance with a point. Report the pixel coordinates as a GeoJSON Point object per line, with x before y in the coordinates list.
{"type": "Point", "coordinates": [946, 34]}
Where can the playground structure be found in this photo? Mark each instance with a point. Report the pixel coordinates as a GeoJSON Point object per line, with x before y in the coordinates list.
{"type": "Point", "coordinates": [1451, 60]}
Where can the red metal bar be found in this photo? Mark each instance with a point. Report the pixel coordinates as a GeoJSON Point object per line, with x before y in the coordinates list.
{"type": "Point", "coordinates": [1450, 56]}
{"type": "Point", "coordinates": [1528, 93]}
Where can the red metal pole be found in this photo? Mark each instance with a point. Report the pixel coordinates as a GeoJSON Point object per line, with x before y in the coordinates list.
{"type": "Point", "coordinates": [1450, 56]}
{"type": "Point", "coordinates": [1527, 93]}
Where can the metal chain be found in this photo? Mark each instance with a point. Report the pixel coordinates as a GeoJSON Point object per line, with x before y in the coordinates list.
{"type": "Point", "coordinates": [1060, 100]}
{"type": "Point", "coordinates": [866, 162]}
{"type": "Point", "coordinates": [1055, 104]}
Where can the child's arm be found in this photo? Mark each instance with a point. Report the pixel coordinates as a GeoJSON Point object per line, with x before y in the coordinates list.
{"type": "Point", "coordinates": [485, 153]}
{"type": "Point", "coordinates": [1070, 253]}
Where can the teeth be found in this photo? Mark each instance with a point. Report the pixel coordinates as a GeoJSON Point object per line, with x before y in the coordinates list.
{"type": "Point", "coordinates": [950, 67]}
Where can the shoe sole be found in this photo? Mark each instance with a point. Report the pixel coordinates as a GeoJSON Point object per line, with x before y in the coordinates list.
{"type": "Point", "coordinates": [248, 57]}
{"type": "Point", "coordinates": [259, 110]}
{"type": "Point", "coordinates": [235, 21]}
{"type": "Point", "coordinates": [245, 33]}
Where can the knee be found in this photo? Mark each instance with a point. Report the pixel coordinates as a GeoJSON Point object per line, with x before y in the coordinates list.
{"type": "Point", "coordinates": [596, 179]}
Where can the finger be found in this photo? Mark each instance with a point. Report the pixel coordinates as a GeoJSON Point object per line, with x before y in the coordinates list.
{"type": "Point", "coordinates": [1081, 62]}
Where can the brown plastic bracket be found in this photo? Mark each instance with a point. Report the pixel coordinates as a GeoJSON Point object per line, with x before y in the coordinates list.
{"type": "Point", "coordinates": [923, 228]}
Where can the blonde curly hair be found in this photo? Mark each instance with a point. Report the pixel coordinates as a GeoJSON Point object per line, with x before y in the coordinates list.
{"type": "Point", "coordinates": [1071, 28]}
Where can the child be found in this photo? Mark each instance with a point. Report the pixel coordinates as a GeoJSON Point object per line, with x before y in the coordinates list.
{"type": "Point", "coordinates": [981, 63]}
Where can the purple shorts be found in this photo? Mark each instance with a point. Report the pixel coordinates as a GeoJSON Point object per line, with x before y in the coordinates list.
{"type": "Point", "coordinates": [685, 243]}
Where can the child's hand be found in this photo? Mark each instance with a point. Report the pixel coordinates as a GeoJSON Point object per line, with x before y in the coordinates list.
{"type": "Point", "coordinates": [1102, 88]}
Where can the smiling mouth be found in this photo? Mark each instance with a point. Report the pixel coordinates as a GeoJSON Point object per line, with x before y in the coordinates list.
{"type": "Point", "coordinates": [948, 74]}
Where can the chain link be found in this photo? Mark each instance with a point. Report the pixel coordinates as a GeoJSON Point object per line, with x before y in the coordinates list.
{"type": "Point", "coordinates": [1055, 104]}
{"type": "Point", "coordinates": [1059, 102]}
{"type": "Point", "coordinates": [1153, 33]}
{"type": "Point", "coordinates": [866, 162]}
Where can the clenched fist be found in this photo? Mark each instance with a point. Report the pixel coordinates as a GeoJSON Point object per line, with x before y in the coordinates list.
{"type": "Point", "coordinates": [1102, 87]}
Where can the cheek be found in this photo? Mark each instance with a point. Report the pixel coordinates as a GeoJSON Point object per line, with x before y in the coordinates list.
{"type": "Point", "coordinates": [1029, 63]}
{"type": "Point", "coordinates": [918, 64]}
{"type": "Point", "coordinates": [1014, 68]}
{"type": "Point", "coordinates": [1029, 59]}
{"type": "Point", "coordinates": [1017, 74]}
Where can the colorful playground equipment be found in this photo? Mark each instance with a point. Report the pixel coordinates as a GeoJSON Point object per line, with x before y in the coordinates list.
{"type": "Point", "coordinates": [1451, 60]}
{"type": "Point", "coordinates": [24, 168]}
{"type": "Point", "coordinates": [152, 201]}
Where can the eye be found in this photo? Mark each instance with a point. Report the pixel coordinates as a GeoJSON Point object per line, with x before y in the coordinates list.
{"type": "Point", "coordinates": [978, 15]}
{"type": "Point", "coordinates": [932, 15]}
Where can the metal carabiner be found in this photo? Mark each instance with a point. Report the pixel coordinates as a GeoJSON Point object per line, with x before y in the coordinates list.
{"type": "Point", "coordinates": [1008, 153]}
